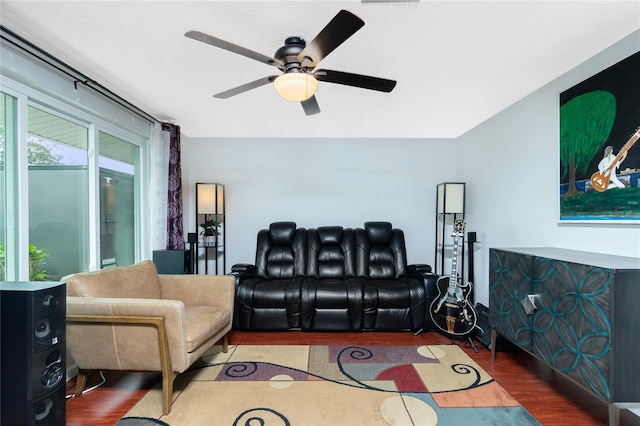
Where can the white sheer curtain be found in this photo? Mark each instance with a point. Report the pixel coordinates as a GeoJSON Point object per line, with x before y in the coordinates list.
{"type": "Point", "coordinates": [158, 186]}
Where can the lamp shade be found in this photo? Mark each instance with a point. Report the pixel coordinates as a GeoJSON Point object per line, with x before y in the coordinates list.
{"type": "Point", "coordinates": [209, 198]}
{"type": "Point", "coordinates": [451, 197]}
{"type": "Point", "coordinates": [296, 86]}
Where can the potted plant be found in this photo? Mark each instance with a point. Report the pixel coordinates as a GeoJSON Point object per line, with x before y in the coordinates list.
{"type": "Point", "coordinates": [209, 231]}
{"type": "Point", "coordinates": [37, 258]}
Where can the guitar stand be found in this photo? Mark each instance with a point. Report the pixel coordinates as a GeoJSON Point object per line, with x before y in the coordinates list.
{"type": "Point", "coordinates": [473, 345]}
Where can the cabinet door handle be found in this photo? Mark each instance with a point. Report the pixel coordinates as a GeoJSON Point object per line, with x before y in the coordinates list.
{"type": "Point", "coordinates": [529, 304]}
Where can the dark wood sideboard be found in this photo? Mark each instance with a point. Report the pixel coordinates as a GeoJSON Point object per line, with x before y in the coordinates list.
{"type": "Point", "coordinates": [577, 311]}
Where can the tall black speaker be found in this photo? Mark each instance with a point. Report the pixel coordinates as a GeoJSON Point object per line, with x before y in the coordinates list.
{"type": "Point", "coordinates": [33, 353]}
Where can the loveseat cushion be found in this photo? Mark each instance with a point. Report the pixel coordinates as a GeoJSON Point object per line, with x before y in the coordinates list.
{"type": "Point", "coordinates": [393, 304]}
{"type": "Point", "coordinates": [331, 253]}
{"type": "Point", "coordinates": [282, 233]}
{"type": "Point", "coordinates": [281, 251]}
{"type": "Point", "coordinates": [331, 295]}
{"type": "Point", "coordinates": [331, 304]}
{"type": "Point", "coordinates": [381, 252]}
{"type": "Point", "coordinates": [379, 233]}
{"type": "Point", "coordinates": [268, 304]}
{"type": "Point", "coordinates": [202, 322]}
{"type": "Point", "coordinates": [134, 281]}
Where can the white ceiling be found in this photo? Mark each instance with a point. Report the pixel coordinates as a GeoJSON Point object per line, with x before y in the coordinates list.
{"type": "Point", "coordinates": [457, 63]}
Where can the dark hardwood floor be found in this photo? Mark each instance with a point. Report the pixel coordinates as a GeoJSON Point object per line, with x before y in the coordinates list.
{"type": "Point", "coordinates": [550, 397]}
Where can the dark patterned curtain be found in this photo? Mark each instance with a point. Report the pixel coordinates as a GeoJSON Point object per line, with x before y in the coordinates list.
{"type": "Point", "coordinates": [175, 235]}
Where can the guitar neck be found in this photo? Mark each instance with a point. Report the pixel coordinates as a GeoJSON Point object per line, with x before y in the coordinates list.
{"type": "Point", "coordinates": [453, 278]}
{"type": "Point", "coordinates": [624, 149]}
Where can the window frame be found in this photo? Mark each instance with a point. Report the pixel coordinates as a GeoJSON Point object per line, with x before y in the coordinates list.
{"type": "Point", "coordinates": [17, 188]}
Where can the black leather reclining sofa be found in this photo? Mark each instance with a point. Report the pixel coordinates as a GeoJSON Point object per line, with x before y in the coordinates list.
{"type": "Point", "coordinates": [332, 278]}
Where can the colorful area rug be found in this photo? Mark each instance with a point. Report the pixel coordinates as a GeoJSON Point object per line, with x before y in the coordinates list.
{"type": "Point", "coordinates": [335, 385]}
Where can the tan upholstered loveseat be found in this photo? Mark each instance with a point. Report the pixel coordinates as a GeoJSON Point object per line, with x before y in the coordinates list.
{"type": "Point", "coordinates": [131, 318]}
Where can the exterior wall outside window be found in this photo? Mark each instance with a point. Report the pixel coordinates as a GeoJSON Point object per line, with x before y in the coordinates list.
{"type": "Point", "coordinates": [118, 165]}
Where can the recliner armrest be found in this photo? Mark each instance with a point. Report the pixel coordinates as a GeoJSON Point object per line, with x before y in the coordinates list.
{"type": "Point", "coordinates": [241, 268]}
{"type": "Point", "coordinates": [419, 268]}
{"type": "Point", "coordinates": [424, 271]}
{"type": "Point", "coordinates": [242, 271]}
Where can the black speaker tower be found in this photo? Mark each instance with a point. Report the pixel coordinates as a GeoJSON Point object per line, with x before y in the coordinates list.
{"type": "Point", "coordinates": [33, 353]}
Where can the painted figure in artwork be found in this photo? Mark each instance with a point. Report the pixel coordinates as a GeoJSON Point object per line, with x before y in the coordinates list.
{"type": "Point", "coordinates": [607, 163]}
{"type": "Point", "coordinates": [606, 176]}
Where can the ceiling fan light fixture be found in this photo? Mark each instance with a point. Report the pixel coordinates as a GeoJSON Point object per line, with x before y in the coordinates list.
{"type": "Point", "coordinates": [296, 86]}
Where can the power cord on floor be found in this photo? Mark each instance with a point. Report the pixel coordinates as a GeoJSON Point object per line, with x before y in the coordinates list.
{"type": "Point", "coordinates": [104, 380]}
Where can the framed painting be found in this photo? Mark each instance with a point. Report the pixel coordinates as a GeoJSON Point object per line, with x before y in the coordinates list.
{"type": "Point", "coordinates": [600, 147]}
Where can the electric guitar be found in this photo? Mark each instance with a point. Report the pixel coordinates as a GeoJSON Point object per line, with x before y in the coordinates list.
{"type": "Point", "coordinates": [451, 311]}
{"type": "Point", "coordinates": [600, 179]}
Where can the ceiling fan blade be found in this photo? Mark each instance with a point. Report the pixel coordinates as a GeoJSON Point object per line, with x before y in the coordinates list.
{"type": "Point", "coordinates": [340, 28]}
{"type": "Point", "coordinates": [245, 87]}
{"type": "Point", "coordinates": [356, 80]}
{"type": "Point", "coordinates": [310, 106]}
{"type": "Point", "coordinates": [234, 48]}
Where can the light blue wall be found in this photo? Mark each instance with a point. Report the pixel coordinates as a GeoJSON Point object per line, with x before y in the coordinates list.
{"type": "Point", "coordinates": [317, 182]}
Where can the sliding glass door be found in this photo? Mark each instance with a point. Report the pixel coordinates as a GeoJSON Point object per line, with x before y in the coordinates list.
{"type": "Point", "coordinates": [76, 212]}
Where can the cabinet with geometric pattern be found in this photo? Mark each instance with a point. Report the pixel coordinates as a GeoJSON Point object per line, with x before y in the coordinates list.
{"type": "Point", "coordinates": [579, 312]}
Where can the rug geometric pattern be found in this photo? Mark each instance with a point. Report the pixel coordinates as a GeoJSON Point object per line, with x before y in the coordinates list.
{"type": "Point", "coordinates": [336, 385]}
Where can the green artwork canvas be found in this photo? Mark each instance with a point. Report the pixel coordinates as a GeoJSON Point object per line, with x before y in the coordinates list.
{"type": "Point", "coordinates": [599, 156]}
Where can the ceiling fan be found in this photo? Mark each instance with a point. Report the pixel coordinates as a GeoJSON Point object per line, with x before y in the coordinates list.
{"type": "Point", "coordinates": [297, 61]}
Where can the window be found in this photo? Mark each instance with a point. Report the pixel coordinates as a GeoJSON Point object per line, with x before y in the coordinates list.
{"type": "Point", "coordinates": [76, 222]}
{"type": "Point", "coordinates": [63, 227]}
